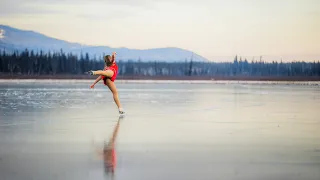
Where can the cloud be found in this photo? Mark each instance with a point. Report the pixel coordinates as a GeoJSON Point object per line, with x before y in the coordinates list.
{"type": "Point", "coordinates": [19, 7]}
{"type": "Point", "coordinates": [117, 15]}
{"type": "Point", "coordinates": [130, 3]}
{"type": "Point", "coordinates": [79, 8]}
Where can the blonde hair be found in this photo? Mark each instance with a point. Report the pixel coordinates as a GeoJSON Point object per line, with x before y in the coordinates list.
{"type": "Point", "coordinates": [107, 60]}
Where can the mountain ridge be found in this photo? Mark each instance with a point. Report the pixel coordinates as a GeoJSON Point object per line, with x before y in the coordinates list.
{"type": "Point", "coordinates": [12, 39]}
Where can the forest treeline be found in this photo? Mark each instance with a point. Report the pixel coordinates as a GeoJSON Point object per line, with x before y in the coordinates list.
{"type": "Point", "coordinates": [61, 63]}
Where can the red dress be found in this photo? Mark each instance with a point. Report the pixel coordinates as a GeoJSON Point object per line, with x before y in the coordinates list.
{"type": "Point", "coordinates": [114, 68]}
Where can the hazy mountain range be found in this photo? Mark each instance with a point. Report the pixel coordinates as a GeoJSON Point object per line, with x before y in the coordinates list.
{"type": "Point", "coordinates": [16, 39]}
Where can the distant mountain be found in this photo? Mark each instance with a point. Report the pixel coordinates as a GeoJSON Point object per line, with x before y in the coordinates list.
{"type": "Point", "coordinates": [15, 39]}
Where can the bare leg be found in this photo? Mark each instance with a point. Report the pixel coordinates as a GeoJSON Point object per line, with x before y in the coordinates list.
{"type": "Point", "coordinates": [111, 85]}
{"type": "Point", "coordinates": [107, 73]}
{"type": "Point", "coordinates": [114, 91]}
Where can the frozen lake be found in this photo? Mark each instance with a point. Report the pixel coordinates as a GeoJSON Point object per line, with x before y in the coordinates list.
{"type": "Point", "coordinates": [50, 130]}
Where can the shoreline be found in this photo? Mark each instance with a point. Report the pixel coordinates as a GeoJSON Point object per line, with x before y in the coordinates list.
{"type": "Point", "coordinates": [164, 78]}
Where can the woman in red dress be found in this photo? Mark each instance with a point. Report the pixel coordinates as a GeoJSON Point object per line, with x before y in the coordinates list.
{"type": "Point", "coordinates": [109, 75]}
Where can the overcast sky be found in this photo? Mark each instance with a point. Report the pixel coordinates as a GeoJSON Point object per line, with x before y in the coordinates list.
{"type": "Point", "coordinates": [208, 27]}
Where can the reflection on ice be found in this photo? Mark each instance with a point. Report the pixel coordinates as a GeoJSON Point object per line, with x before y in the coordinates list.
{"type": "Point", "coordinates": [212, 130]}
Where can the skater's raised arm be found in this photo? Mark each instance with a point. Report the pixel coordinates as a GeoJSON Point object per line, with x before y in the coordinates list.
{"type": "Point", "coordinates": [96, 81]}
{"type": "Point", "coordinates": [114, 57]}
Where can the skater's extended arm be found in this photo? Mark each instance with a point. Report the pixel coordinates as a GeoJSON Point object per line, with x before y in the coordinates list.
{"type": "Point", "coordinates": [96, 81]}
